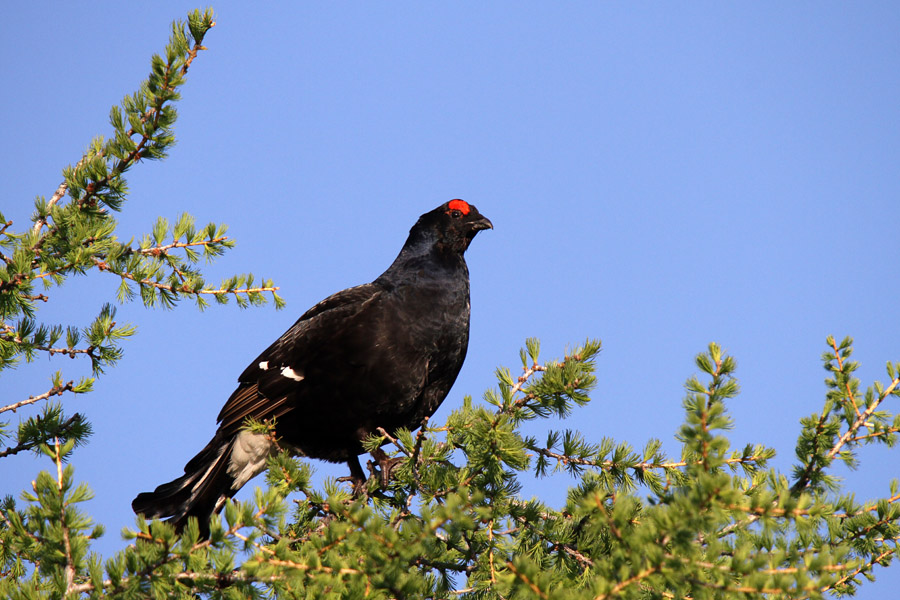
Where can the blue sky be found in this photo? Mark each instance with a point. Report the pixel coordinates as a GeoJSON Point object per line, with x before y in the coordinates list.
{"type": "Point", "coordinates": [659, 175]}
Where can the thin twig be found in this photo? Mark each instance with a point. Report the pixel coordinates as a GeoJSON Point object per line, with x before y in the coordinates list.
{"type": "Point", "coordinates": [57, 390]}
{"type": "Point", "coordinates": [623, 584]}
{"type": "Point", "coordinates": [531, 585]}
{"type": "Point", "coordinates": [383, 433]}
{"type": "Point", "coordinates": [520, 383]}
{"type": "Point", "coordinates": [860, 569]}
{"type": "Point", "coordinates": [56, 197]}
{"type": "Point", "coordinates": [566, 459]}
{"type": "Point", "coordinates": [848, 435]}
{"type": "Point", "coordinates": [63, 429]}
{"type": "Point", "coordinates": [840, 362]}
{"type": "Point", "coordinates": [222, 580]}
{"type": "Point", "coordinates": [806, 477]}
{"type": "Point", "coordinates": [158, 250]}
{"type": "Point", "coordinates": [183, 289]}
{"type": "Point", "coordinates": [886, 432]}
{"type": "Point", "coordinates": [67, 544]}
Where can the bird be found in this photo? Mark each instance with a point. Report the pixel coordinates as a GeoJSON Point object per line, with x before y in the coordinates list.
{"type": "Point", "coordinates": [377, 356]}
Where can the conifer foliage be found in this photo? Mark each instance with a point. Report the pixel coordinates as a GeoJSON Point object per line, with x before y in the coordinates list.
{"type": "Point", "coordinates": [451, 523]}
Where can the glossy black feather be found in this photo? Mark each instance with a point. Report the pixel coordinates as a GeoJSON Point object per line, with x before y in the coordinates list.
{"type": "Point", "coordinates": [383, 354]}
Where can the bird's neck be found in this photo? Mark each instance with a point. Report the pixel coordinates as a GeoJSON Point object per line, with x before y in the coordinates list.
{"type": "Point", "coordinates": [422, 255]}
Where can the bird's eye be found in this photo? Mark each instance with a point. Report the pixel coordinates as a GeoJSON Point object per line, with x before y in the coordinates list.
{"type": "Point", "coordinates": [458, 208]}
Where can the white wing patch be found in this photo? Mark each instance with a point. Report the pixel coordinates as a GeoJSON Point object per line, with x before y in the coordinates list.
{"type": "Point", "coordinates": [264, 365]}
{"type": "Point", "coordinates": [291, 374]}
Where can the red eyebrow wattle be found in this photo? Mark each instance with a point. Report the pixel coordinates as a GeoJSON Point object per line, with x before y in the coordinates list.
{"type": "Point", "coordinates": [460, 205]}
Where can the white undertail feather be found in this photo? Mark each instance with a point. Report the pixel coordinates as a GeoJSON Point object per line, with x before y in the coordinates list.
{"type": "Point", "coordinates": [249, 452]}
{"type": "Point", "coordinates": [248, 457]}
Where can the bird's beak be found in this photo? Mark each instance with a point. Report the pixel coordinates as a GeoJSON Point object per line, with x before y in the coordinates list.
{"type": "Point", "coordinates": [482, 223]}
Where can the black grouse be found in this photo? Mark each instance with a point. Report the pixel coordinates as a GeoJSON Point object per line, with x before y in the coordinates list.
{"type": "Point", "coordinates": [383, 354]}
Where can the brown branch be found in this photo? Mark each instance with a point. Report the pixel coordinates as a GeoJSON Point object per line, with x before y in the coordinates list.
{"type": "Point", "coordinates": [153, 113]}
{"type": "Point", "coordinates": [193, 52]}
{"type": "Point", "coordinates": [4, 225]}
{"type": "Point", "coordinates": [98, 260]}
{"type": "Point", "coordinates": [861, 568]}
{"type": "Point", "coordinates": [56, 390]}
{"type": "Point", "coordinates": [762, 511]}
{"type": "Point", "coordinates": [623, 584]}
{"type": "Point", "coordinates": [756, 513]}
{"type": "Point", "coordinates": [753, 590]}
{"type": "Point", "coordinates": [462, 591]}
{"type": "Point", "coordinates": [773, 571]}
{"type": "Point", "coordinates": [164, 250]}
{"type": "Point", "coordinates": [840, 361]}
{"type": "Point", "coordinates": [287, 563]}
{"type": "Point", "coordinates": [40, 297]}
{"type": "Point", "coordinates": [10, 526]}
{"type": "Point", "coordinates": [305, 567]}
{"type": "Point", "coordinates": [222, 580]}
{"type": "Point", "coordinates": [382, 432]}
{"type": "Point", "coordinates": [49, 273]}
{"type": "Point", "coordinates": [531, 585]}
{"type": "Point", "coordinates": [583, 560]}
{"type": "Point", "coordinates": [749, 590]}
{"type": "Point", "coordinates": [890, 500]}
{"type": "Point", "coordinates": [414, 468]}
{"type": "Point", "coordinates": [71, 352]}
{"type": "Point", "coordinates": [184, 289]}
{"type": "Point", "coordinates": [861, 419]}
{"type": "Point", "coordinates": [888, 431]}
{"type": "Point", "coordinates": [63, 429]}
{"type": "Point", "coordinates": [95, 186]}
{"type": "Point", "coordinates": [804, 480]}
{"type": "Point", "coordinates": [57, 196]}
{"type": "Point", "coordinates": [67, 545]}
{"type": "Point", "coordinates": [520, 383]}
{"type": "Point", "coordinates": [135, 155]}
{"type": "Point", "coordinates": [850, 435]}
{"type": "Point", "coordinates": [168, 557]}
{"type": "Point", "coordinates": [566, 459]}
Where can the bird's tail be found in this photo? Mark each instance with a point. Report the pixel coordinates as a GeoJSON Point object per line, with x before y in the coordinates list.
{"type": "Point", "coordinates": [200, 492]}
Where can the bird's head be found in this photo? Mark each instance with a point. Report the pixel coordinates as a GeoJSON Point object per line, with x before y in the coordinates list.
{"type": "Point", "coordinates": [439, 237]}
{"type": "Point", "coordinates": [453, 225]}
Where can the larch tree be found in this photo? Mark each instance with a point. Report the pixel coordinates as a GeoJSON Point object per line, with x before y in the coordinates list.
{"type": "Point", "coordinates": [710, 523]}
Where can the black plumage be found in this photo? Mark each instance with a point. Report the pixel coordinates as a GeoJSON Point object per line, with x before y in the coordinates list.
{"type": "Point", "coordinates": [383, 354]}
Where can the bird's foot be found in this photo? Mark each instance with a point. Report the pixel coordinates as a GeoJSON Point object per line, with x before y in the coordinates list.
{"type": "Point", "coordinates": [358, 485]}
{"type": "Point", "coordinates": [386, 465]}
{"type": "Point", "coordinates": [357, 478]}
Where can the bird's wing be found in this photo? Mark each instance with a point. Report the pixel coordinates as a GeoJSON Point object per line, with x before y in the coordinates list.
{"type": "Point", "coordinates": [268, 382]}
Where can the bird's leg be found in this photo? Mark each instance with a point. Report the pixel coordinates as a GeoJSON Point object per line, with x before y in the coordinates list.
{"type": "Point", "coordinates": [357, 477]}
{"type": "Point", "coordinates": [386, 464]}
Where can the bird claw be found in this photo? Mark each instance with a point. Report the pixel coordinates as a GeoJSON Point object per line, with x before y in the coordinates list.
{"type": "Point", "coordinates": [386, 465]}
{"type": "Point", "coordinates": [358, 485]}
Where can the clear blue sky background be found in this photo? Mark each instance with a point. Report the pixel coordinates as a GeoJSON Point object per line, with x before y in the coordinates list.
{"type": "Point", "coordinates": [660, 175]}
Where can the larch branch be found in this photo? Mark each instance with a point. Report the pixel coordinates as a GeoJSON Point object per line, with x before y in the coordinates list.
{"type": "Point", "coordinates": [57, 390]}
{"type": "Point", "coordinates": [184, 289]}
{"type": "Point", "coordinates": [162, 250]}
{"type": "Point", "coordinates": [861, 420]}
{"type": "Point", "coordinates": [63, 429]}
